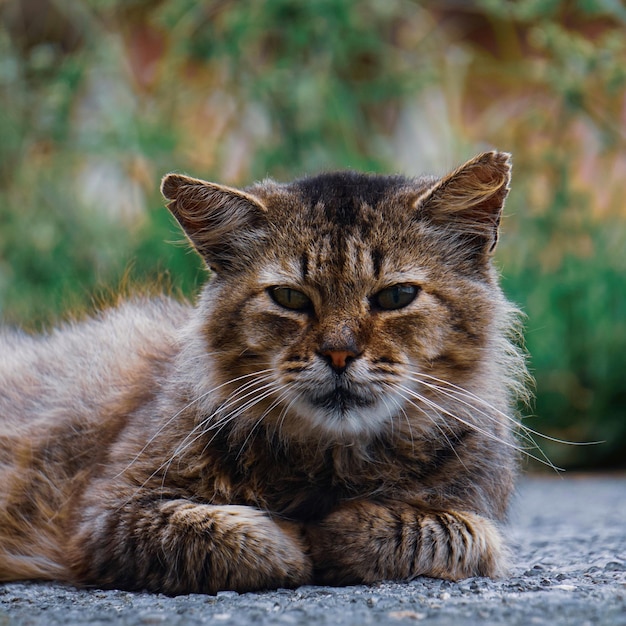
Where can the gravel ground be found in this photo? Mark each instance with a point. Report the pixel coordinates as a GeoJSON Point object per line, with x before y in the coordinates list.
{"type": "Point", "coordinates": [569, 567]}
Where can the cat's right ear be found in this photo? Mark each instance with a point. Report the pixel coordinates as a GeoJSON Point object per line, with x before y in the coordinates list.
{"type": "Point", "coordinates": [221, 222]}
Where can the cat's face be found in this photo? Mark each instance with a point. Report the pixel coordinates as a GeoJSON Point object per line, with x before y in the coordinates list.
{"type": "Point", "coordinates": [334, 295]}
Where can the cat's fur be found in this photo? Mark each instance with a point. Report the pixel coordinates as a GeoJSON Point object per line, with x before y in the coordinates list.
{"type": "Point", "coordinates": [239, 444]}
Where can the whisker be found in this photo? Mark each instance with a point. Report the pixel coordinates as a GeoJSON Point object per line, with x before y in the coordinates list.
{"type": "Point", "coordinates": [265, 413]}
{"type": "Point", "coordinates": [228, 402]}
{"type": "Point", "coordinates": [234, 399]}
{"type": "Point", "coordinates": [285, 392]}
{"type": "Point", "coordinates": [522, 431]}
{"type": "Point", "coordinates": [178, 413]}
{"type": "Point", "coordinates": [201, 432]}
{"type": "Point", "coordinates": [473, 396]}
{"type": "Point", "coordinates": [283, 414]}
{"type": "Point", "coordinates": [474, 427]}
{"type": "Point", "coordinates": [270, 389]}
{"type": "Point", "coordinates": [186, 443]}
{"type": "Point", "coordinates": [455, 392]}
{"type": "Point", "coordinates": [211, 423]}
{"type": "Point", "coordinates": [457, 396]}
{"type": "Point", "coordinates": [431, 419]}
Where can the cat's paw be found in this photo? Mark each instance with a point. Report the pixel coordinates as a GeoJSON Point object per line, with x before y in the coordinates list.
{"type": "Point", "coordinates": [241, 548]}
{"type": "Point", "coordinates": [364, 542]}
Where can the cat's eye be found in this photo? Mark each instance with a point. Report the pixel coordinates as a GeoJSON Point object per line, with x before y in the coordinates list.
{"type": "Point", "coordinates": [395, 297]}
{"type": "Point", "coordinates": [290, 298]}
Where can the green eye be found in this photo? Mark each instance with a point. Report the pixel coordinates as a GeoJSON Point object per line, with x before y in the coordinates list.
{"type": "Point", "coordinates": [290, 298]}
{"type": "Point", "coordinates": [395, 297]}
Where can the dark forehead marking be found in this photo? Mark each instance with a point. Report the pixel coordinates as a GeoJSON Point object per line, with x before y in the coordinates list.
{"type": "Point", "coordinates": [342, 194]}
{"type": "Point", "coordinates": [304, 264]}
{"type": "Point", "coordinates": [377, 261]}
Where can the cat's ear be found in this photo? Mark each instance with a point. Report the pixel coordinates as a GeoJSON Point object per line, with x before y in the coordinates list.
{"type": "Point", "coordinates": [221, 222]}
{"type": "Point", "coordinates": [470, 199]}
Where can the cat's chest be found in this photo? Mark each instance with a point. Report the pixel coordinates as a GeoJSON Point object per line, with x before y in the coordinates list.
{"type": "Point", "coordinates": [294, 484]}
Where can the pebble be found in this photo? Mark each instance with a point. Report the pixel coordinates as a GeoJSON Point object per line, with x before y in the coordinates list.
{"type": "Point", "coordinates": [402, 615]}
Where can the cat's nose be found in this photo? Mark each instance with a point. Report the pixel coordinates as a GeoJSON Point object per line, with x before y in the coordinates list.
{"type": "Point", "coordinates": [339, 359]}
{"type": "Point", "coordinates": [338, 345]}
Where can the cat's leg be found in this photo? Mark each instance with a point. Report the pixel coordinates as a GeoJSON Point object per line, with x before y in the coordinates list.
{"type": "Point", "coordinates": [364, 542]}
{"type": "Point", "coordinates": [178, 547]}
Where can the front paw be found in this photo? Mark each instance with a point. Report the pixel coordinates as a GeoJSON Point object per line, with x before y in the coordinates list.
{"type": "Point", "coordinates": [180, 547]}
{"type": "Point", "coordinates": [247, 550]}
{"type": "Point", "coordinates": [364, 542]}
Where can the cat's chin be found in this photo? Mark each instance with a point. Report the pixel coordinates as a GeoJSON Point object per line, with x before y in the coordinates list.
{"type": "Point", "coordinates": [347, 418]}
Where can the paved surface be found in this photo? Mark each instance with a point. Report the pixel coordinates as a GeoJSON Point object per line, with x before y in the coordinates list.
{"type": "Point", "coordinates": [569, 568]}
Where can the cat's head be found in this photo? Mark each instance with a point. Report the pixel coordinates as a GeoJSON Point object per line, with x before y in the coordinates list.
{"type": "Point", "coordinates": [335, 299]}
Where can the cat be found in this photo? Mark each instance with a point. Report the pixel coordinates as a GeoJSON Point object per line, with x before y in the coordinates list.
{"type": "Point", "coordinates": [338, 407]}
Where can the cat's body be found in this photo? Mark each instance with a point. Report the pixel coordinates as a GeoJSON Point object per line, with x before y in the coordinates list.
{"type": "Point", "coordinates": [335, 408]}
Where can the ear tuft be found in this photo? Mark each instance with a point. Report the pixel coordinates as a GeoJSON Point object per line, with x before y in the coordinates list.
{"type": "Point", "coordinates": [471, 198]}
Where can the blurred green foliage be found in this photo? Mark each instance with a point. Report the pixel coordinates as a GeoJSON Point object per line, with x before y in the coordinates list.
{"type": "Point", "coordinates": [100, 98]}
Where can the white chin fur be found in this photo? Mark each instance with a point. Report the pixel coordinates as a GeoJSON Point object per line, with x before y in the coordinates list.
{"type": "Point", "coordinates": [352, 423]}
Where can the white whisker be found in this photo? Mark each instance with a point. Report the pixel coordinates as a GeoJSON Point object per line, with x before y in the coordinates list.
{"type": "Point", "coordinates": [220, 425]}
{"type": "Point", "coordinates": [239, 410]}
{"type": "Point", "coordinates": [431, 419]}
{"type": "Point", "coordinates": [265, 413]}
{"type": "Point", "coordinates": [284, 411]}
{"type": "Point", "coordinates": [473, 396]}
{"type": "Point", "coordinates": [188, 441]}
{"type": "Point", "coordinates": [489, 435]}
{"type": "Point", "coordinates": [178, 413]}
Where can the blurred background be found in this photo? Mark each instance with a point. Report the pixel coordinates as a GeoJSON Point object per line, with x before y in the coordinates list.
{"type": "Point", "coordinates": [100, 98]}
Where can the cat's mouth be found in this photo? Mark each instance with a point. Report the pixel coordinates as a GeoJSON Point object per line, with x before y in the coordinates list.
{"type": "Point", "coordinates": [341, 400]}
{"type": "Point", "coordinates": [345, 409]}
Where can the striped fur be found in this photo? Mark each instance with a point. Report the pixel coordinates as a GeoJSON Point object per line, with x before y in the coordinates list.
{"type": "Point", "coordinates": [248, 442]}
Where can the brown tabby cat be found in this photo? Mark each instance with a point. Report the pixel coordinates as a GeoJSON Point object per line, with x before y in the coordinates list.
{"type": "Point", "coordinates": [335, 409]}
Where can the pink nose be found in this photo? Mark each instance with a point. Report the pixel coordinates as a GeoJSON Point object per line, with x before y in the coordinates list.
{"type": "Point", "coordinates": [339, 358]}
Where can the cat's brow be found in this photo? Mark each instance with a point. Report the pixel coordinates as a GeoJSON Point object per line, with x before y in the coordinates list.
{"type": "Point", "coordinates": [407, 274]}
{"type": "Point", "coordinates": [285, 273]}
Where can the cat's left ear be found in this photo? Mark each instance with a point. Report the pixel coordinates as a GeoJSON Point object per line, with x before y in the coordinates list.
{"type": "Point", "coordinates": [221, 222]}
{"type": "Point", "coordinates": [470, 199]}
